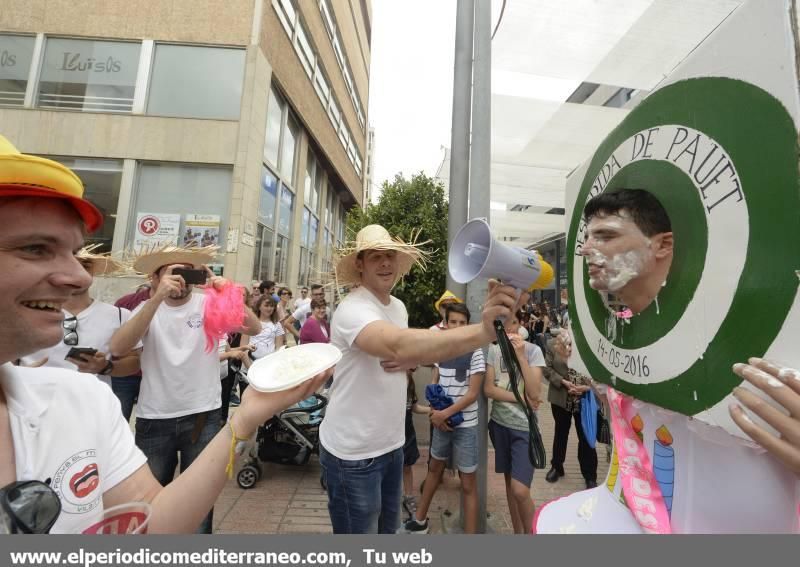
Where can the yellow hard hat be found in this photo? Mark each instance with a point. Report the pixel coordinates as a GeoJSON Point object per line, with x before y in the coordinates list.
{"type": "Point", "coordinates": [23, 175]}
{"type": "Point", "coordinates": [446, 296]}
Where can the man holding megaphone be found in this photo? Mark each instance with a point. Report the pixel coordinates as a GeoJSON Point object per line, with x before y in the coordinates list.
{"type": "Point", "coordinates": [363, 432]}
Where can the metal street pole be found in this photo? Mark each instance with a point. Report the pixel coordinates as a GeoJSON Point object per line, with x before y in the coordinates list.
{"type": "Point", "coordinates": [459, 141]}
{"type": "Point", "coordinates": [480, 182]}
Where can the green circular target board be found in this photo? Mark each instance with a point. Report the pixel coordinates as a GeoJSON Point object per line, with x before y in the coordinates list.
{"type": "Point", "coordinates": [721, 156]}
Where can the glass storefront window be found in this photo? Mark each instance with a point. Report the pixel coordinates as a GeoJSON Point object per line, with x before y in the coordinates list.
{"type": "Point", "coordinates": [169, 188]}
{"type": "Point", "coordinates": [312, 184]}
{"type": "Point", "coordinates": [262, 270]}
{"type": "Point", "coordinates": [281, 258]}
{"type": "Point", "coordinates": [101, 181]}
{"type": "Point", "coordinates": [16, 53]}
{"type": "Point", "coordinates": [289, 150]}
{"type": "Point", "coordinates": [313, 228]}
{"type": "Point", "coordinates": [286, 209]}
{"type": "Point", "coordinates": [89, 75]}
{"type": "Point", "coordinates": [305, 227]}
{"type": "Point", "coordinates": [196, 82]}
{"type": "Point", "coordinates": [272, 143]}
{"type": "Point", "coordinates": [268, 198]}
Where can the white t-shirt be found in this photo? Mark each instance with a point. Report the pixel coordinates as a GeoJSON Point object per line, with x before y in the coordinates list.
{"type": "Point", "coordinates": [96, 324]}
{"type": "Point", "coordinates": [265, 340]}
{"type": "Point", "coordinates": [178, 376]}
{"type": "Point", "coordinates": [299, 302]}
{"type": "Point", "coordinates": [304, 312]}
{"type": "Point", "coordinates": [366, 414]}
{"type": "Point", "coordinates": [69, 428]}
{"type": "Point", "coordinates": [455, 376]}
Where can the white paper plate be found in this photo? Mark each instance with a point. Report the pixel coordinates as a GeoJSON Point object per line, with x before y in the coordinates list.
{"type": "Point", "coordinates": [289, 367]}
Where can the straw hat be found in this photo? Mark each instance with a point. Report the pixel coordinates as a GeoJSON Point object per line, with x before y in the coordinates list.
{"type": "Point", "coordinates": [30, 176]}
{"type": "Point", "coordinates": [102, 264]}
{"type": "Point", "coordinates": [446, 296]}
{"type": "Point", "coordinates": [375, 237]}
{"type": "Point", "coordinates": [149, 261]}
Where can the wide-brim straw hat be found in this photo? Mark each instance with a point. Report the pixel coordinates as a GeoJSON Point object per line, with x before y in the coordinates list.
{"type": "Point", "coordinates": [148, 261]}
{"type": "Point", "coordinates": [375, 237]}
{"type": "Point", "coordinates": [22, 175]}
{"type": "Point", "coordinates": [102, 264]}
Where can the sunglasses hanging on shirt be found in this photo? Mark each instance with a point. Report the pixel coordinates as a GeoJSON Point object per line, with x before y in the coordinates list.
{"type": "Point", "coordinates": [28, 507]}
{"type": "Point", "coordinates": [70, 326]}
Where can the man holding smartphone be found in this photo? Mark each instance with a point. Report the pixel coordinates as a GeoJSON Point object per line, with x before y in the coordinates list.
{"type": "Point", "coordinates": [180, 396]}
{"type": "Point", "coordinates": [88, 326]}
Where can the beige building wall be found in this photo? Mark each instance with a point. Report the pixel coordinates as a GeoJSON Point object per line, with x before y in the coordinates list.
{"type": "Point", "coordinates": [289, 74]}
{"type": "Point", "coordinates": [195, 21]}
{"type": "Point", "coordinates": [236, 144]}
{"type": "Point", "coordinates": [120, 136]}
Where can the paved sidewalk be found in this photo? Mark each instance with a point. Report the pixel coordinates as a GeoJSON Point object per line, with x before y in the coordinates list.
{"type": "Point", "coordinates": [290, 499]}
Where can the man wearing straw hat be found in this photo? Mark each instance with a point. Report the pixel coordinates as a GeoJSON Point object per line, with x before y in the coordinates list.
{"type": "Point", "coordinates": [363, 432]}
{"type": "Point", "coordinates": [180, 396]}
{"type": "Point", "coordinates": [89, 323]}
{"type": "Point", "coordinates": [63, 425]}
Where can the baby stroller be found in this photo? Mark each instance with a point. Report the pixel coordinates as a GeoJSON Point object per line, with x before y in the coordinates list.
{"type": "Point", "coordinates": [288, 438]}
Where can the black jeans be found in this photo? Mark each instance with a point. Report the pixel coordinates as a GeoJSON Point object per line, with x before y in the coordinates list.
{"type": "Point", "coordinates": [587, 456]}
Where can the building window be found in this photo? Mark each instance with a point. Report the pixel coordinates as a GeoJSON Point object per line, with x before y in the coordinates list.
{"type": "Point", "coordinates": [184, 190]}
{"type": "Point", "coordinates": [268, 199]}
{"type": "Point", "coordinates": [89, 75]}
{"type": "Point", "coordinates": [286, 210]}
{"type": "Point", "coordinates": [101, 181]}
{"type": "Point", "coordinates": [275, 111]}
{"type": "Point", "coordinates": [196, 82]}
{"type": "Point", "coordinates": [289, 150]}
{"type": "Point", "coordinates": [16, 53]}
{"type": "Point", "coordinates": [281, 258]}
{"type": "Point", "coordinates": [313, 183]}
{"type": "Point", "coordinates": [262, 268]}
{"type": "Point", "coordinates": [322, 87]}
{"type": "Point", "coordinates": [304, 50]}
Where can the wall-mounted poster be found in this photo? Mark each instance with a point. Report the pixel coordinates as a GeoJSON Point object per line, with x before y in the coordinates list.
{"type": "Point", "coordinates": [156, 229]}
{"type": "Point", "coordinates": [201, 230]}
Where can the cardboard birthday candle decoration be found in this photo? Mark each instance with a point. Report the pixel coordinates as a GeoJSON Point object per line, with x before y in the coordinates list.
{"type": "Point", "coordinates": [717, 145]}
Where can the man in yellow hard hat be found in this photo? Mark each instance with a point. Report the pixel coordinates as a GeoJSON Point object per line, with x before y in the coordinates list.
{"type": "Point", "coordinates": [447, 298]}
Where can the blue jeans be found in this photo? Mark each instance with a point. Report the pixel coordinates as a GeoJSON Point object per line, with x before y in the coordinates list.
{"type": "Point", "coordinates": [161, 440]}
{"type": "Point", "coordinates": [126, 388]}
{"type": "Point", "coordinates": [364, 495]}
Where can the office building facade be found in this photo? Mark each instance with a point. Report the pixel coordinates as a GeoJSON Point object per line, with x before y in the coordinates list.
{"type": "Point", "coordinates": [241, 123]}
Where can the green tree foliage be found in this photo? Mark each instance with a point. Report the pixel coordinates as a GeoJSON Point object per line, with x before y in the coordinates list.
{"type": "Point", "coordinates": [405, 207]}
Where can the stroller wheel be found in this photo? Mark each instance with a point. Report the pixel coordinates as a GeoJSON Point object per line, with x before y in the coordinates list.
{"type": "Point", "coordinates": [247, 477]}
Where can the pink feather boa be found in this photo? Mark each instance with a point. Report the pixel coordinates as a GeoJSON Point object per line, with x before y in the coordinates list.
{"type": "Point", "coordinates": [224, 312]}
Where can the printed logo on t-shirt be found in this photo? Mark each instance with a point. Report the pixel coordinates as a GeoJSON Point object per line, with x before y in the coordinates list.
{"type": "Point", "coordinates": [195, 321]}
{"type": "Point", "coordinates": [76, 482]}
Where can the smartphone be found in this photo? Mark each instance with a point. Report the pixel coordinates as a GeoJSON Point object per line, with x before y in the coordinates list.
{"type": "Point", "coordinates": [76, 352]}
{"type": "Point", "coordinates": [191, 276]}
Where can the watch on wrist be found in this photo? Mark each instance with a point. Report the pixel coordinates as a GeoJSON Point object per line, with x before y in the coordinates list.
{"type": "Point", "coordinates": [107, 369]}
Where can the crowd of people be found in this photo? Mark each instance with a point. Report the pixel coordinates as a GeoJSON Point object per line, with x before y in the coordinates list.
{"type": "Point", "coordinates": [65, 432]}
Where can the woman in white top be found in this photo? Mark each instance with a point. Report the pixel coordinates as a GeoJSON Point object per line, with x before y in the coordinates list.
{"type": "Point", "coordinates": [271, 336]}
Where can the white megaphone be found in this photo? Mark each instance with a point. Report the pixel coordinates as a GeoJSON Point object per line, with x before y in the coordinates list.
{"type": "Point", "coordinates": [475, 253]}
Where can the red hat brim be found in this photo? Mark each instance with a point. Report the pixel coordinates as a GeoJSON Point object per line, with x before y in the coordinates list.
{"type": "Point", "coordinates": [91, 215]}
